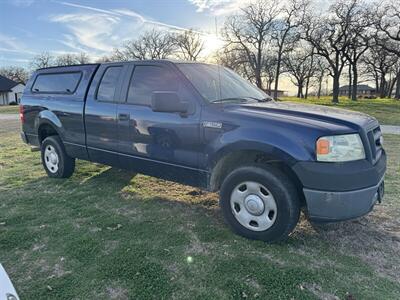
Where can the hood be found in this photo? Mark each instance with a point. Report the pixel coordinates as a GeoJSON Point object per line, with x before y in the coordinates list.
{"type": "Point", "coordinates": [313, 113]}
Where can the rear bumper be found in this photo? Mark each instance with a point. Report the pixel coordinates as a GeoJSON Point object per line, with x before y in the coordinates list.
{"type": "Point", "coordinates": [340, 191]}
{"type": "Point", "coordinates": [327, 206]}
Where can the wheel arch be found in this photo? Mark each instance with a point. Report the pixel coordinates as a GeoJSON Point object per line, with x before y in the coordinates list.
{"type": "Point", "coordinates": [226, 162]}
{"type": "Point", "coordinates": [48, 124]}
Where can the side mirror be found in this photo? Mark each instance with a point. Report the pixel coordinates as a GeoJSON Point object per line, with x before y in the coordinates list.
{"type": "Point", "coordinates": [168, 102]}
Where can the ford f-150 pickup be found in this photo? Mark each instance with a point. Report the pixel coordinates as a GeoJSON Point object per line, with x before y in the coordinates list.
{"type": "Point", "coordinates": [205, 126]}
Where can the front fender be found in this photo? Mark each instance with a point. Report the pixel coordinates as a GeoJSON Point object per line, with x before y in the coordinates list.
{"type": "Point", "coordinates": [283, 146]}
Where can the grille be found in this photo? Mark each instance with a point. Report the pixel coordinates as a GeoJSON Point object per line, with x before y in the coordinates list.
{"type": "Point", "coordinates": [375, 142]}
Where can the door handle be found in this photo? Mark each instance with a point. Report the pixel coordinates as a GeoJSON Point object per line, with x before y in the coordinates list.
{"type": "Point", "coordinates": [123, 117]}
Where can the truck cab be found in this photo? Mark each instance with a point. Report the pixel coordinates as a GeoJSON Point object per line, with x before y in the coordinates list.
{"type": "Point", "coordinates": [205, 126]}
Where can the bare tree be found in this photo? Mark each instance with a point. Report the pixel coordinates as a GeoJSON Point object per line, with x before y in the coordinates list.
{"type": "Point", "coordinates": [249, 33]}
{"type": "Point", "coordinates": [153, 44]}
{"type": "Point", "coordinates": [65, 60]}
{"type": "Point", "coordinates": [42, 60]}
{"type": "Point", "coordinates": [269, 71]}
{"type": "Point", "coordinates": [189, 44]}
{"type": "Point", "coordinates": [285, 33]}
{"type": "Point", "coordinates": [17, 74]}
{"type": "Point", "coordinates": [299, 65]}
{"type": "Point", "coordinates": [378, 64]}
{"type": "Point", "coordinates": [330, 36]}
{"type": "Point", "coordinates": [82, 58]}
{"type": "Point", "coordinates": [358, 16]}
{"type": "Point", "coordinates": [387, 20]}
{"type": "Point", "coordinates": [321, 69]}
{"type": "Point", "coordinates": [72, 59]}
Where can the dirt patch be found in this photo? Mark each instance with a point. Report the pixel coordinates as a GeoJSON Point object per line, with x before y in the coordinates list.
{"type": "Point", "coordinates": [117, 292]}
{"type": "Point", "coordinates": [317, 291]}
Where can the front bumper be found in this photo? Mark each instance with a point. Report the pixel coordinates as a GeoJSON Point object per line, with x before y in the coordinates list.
{"type": "Point", "coordinates": [341, 191]}
{"type": "Point", "coordinates": [326, 206]}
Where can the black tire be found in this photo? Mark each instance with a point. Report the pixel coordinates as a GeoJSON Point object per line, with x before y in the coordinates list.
{"type": "Point", "coordinates": [283, 191]}
{"type": "Point", "coordinates": [65, 166]}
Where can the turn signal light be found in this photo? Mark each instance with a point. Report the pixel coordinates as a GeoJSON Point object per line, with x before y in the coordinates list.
{"type": "Point", "coordinates": [322, 146]}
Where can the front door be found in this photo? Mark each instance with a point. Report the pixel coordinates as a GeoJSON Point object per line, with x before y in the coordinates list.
{"type": "Point", "coordinates": [161, 144]}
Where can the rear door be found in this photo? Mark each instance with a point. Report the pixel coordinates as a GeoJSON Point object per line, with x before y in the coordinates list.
{"type": "Point", "coordinates": [101, 114]}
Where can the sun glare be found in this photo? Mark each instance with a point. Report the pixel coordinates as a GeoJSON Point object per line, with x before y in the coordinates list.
{"type": "Point", "coordinates": [212, 43]}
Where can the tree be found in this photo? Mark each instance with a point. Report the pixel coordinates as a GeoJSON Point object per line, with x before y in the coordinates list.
{"type": "Point", "coordinates": [153, 44]}
{"type": "Point", "coordinates": [378, 63]}
{"type": "Point", "coordinates": [17, 74]}
{"type": "Point", "coordinates": [387, 21]}
{"type": "Point", "coordinates": [321, 68]}
{"type": "Point", "coordinates": [248, 33]}
{"type": "Point", "coordinates": [42, 60]}
{"type": "Point", "coordinates": [299, 64]}
{"type": "Point", "coordinates": [285, 33]}
{"type": "Point", "coordinates": [330, 36]}
{"type": "Point", "coordinates": [72, 59]}
{"type": "Point", "coordinates": [189, 44]}
{"type": "Point", "coordinates": [358, 16]}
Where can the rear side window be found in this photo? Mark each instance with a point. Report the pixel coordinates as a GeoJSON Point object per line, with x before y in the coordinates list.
{"type": "Point", "coordinates": [148, 79]}
{"type": "Point", "coordinates": [58, 83]}
{"type": "Point", "coordinates": [108, 84]}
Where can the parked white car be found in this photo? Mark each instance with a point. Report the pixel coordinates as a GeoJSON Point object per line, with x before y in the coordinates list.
{"type": "Point", "coordinates": [7, 290]}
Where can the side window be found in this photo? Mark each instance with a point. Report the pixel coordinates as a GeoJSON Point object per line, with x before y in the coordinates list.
{"type": "Point", "coordinates": [148, 79]}
{"type": "Point", "coordinates": [61, 83]}
{"type": "Point", "coordinates": [108, 84]}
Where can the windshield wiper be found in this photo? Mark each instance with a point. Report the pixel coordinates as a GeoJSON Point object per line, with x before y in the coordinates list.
{"type": "Point", "coordinates": [241, 99]}
{"type": "Point", "coordinates": [266, 99]}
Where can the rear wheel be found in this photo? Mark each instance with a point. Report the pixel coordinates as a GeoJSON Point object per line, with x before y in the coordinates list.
{"type": "Point", "coordinates": [55, 160]}
{"type": "Point", "coordinates": [260, 203]}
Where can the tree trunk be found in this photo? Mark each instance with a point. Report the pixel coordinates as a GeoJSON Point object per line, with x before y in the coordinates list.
{"type": "Point", "coordinates": [382, 88]}
{"type": "Point", "coordinates": [350, 83]}
{"type": "Point", "coordinates": [335, 91]}
{"type": "Point", "coordinates": [300, 91]}
{"type": "Point", "coordinates": [278, 68]}
{"type": "Point", "coordinates": [355, 84]}
{"type": "Point", "coordinates": [391, 87]}
{"type": "Point", "coordinates": [319, 87]}
{"type": "Point", "coordinates": [307, 86]}
{"type": "Point", "coordinates": [397, 94]}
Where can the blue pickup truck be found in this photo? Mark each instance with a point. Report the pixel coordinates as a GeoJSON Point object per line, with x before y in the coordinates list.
{"type": "Point", "coordinates": [205, 126]}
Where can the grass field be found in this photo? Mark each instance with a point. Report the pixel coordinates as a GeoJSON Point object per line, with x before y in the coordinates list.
{"type": "Point", "coordinates": [9, 109]}
{"type": "Point", "coordinates": [106, 234]}
{"type": "Point", "coordinates": [387, 111]}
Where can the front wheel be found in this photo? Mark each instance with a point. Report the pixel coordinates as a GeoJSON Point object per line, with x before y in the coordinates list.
{"type": "Point", "coordinates": [55, 160]}
{"type": "Point", "coordinates": [260, 203]}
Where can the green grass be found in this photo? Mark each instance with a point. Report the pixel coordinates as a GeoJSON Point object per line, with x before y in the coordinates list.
{"type": "Point", "coordinates": [105, 234]}
{"type": "Point", "coordinates": [9, 109]}
{"type": "Point", "coordinates": [387, 111]}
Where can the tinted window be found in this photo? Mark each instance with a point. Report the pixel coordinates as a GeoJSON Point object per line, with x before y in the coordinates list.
{"type": "Point", "coordinates": [57, 83]}
{"type": "Point", "coordinates": [148, 79]}
{"type": "Point", "coordinates": [108, 84]}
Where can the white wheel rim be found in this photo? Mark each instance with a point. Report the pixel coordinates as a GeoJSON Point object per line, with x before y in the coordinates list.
{"type": "Point", "coordinates": [253, 206]}
{"type": "Point", "coordinates": [51, 159]}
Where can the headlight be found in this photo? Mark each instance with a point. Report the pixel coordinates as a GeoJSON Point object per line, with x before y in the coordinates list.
{"type": "Point", "coordinates": [338, 148]}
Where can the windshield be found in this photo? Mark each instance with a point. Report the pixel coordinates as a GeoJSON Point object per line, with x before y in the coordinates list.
{"type": "Point", "coordinates": [217, 83]}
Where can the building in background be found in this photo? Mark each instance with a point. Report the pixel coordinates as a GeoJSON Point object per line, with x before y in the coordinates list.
{"type": "Point", "coordinates": [10, 91]}
{"type": "Point", "coordinates": [363, 90]}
